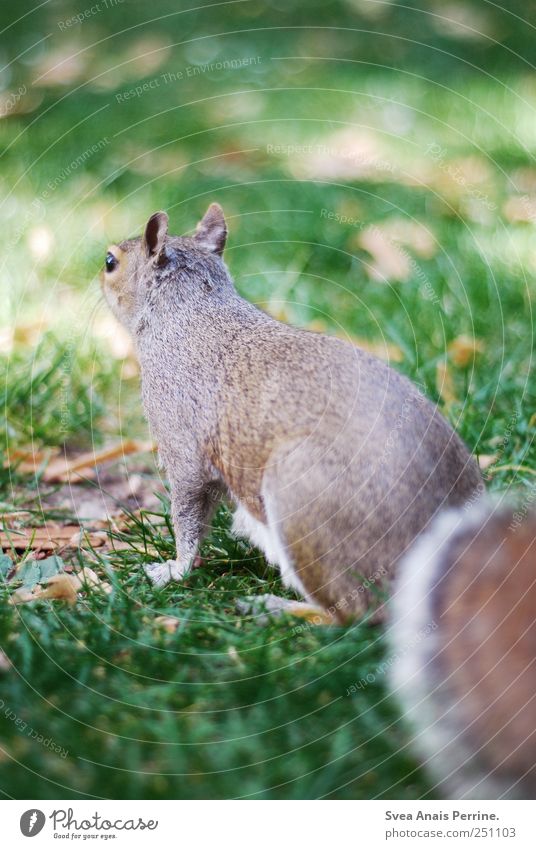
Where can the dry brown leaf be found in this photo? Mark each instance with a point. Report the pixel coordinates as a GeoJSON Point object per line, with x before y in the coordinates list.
{"type": "Point", "coordinates": [463, 21]}
{"type": "Point", "coordinates": [487, 460]}
{"type": "Point", "coordinates": [146, 55]}
{"type": "Point", "coordinates": [520, 209]}
{"type": "Point", "coordinates": [464, 349]}
{"type": "Point", "coordinates": [61, 66]}
{"type": "Point", "coordinates": [168, 623]}
{"type": "Point", "coordinates": [5, 663]}
{"type": "Point", "coordinates": [524, 179]}
{"type": "Point", "coordinates": [387, 243]}
{"type": "Point", "coordinates": [351, 153]}
{"type": "Point", "coordinates": [62, 469]}
{"type": "Point", "coordinates": [22, 334]}
{"type": "Point", "coordinates": [389, 260]}
{"type": "Point", "coordinates": [48, 538]}
{"type": "Point", "coordinates": [470, 171]}
{"type": "Point", "coordinates": [28, 461]}
{"type": "Point", "coordinates": [61, 587]}
{"type": "Point", "coordinates": [86, 577]}
{"type": "Point", "coordinates": [445, 383]}
{"type": "Point", "coordinates": [412, 234]}
{"type": "Point", "coordinates": [7, 519]}
{"type": "Point", "coordinates": [21, 596]}
{"type": "Point", "coordinates": [124, 545]}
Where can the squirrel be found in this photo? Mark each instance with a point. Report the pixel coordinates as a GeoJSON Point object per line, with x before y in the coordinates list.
{"type": "Point", "coordinates": [335, 461]}
{"type": "Point", "coordinates": [463, 648]}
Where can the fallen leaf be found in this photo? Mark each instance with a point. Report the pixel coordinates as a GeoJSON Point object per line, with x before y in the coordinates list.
{"type": "Point", "coordinates": [461, 21]}
{"type": "Point", "coordinates": [61, 587]}
{"type": "Point", "coordinates": [168, 623]}
{"type": "Point", "coordinates": [32, 572]}
{"type": "Point", "coordinates": [487, 460]}
{"type": "Point", "coordinates": [6, 565]}
{"type": "Point", "coordinates": [29, 461]}
{"type": "Point", "coordinates": [412, 234]}
{"type": "Point", "coordinates": [445, 383]}
{"type": "Point", "coordinates": [23, 335]}
{"type": "Point", "coordinates": [86, 578]}
{"type": "Point", "coordinates": [464, 349]}
{"type": "Point", "coordinates": [61, 66]}
{"type": "Point", "coordinates": [146, 55]}
{"type": "Point", "coordinates": [520, 209]}
{"type": "Point", "coordinates": [14, 516]}
{"type": "Point", "coordinates": [48, 538]}
{"type": "Point", "coordinates": [524, 179]}
{"type": "Point", "coordinates": [5, 663]}
{"type": "Point", "coordinates": [389, 260]}
{"type": "Point", "coordinates": [21, 596]}
{"type": "Point", "coordinates": [348, 154]}
{"type": "Point", "coordinates": [62, 469]}
{"type": "Point", "coordinates": [117, 491]}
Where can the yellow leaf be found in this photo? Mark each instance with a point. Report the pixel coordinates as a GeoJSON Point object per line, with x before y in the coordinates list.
{"type": "Point", "coordinates": [464, 349]}
{"type": "Point", "coordinates": [61, 587]}
{"type": "Point", "coordinates": [445, 383]}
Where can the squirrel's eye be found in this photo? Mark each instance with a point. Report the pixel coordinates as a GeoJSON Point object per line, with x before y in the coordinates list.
{"type": "Point", "coordinates": [111, 261]}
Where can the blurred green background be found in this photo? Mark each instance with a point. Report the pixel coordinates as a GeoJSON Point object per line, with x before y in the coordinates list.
{"type": "Point", "coordinates": [375, 161]}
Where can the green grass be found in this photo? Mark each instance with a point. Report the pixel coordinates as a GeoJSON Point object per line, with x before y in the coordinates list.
{"type": "Point", "coordinates": [227, 706]}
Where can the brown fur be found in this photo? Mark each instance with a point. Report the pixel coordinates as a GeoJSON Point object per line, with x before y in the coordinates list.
{"type": "Point", "coordinates": [488, 621]}
{"type": "Point", "coordinates": [344, 453]}
{"type": "Point", "coordinates": [469, 684]}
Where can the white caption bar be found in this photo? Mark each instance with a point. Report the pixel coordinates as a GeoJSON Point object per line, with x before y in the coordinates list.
{"type": "Point", "coordinates": [277, 824]}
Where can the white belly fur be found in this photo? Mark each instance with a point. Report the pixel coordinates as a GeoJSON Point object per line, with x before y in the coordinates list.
{"type": "Point", "coordinates": [268, 538]}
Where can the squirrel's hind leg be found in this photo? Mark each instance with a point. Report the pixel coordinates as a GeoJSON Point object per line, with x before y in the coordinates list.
{"type": "Point", "coordinates": [267, 537]}
{"type": "Point", "coordinates": [268, 606]}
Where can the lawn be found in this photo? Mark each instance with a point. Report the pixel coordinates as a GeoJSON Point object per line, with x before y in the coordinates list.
{"type": "Point", "coordinates": [378, 184]}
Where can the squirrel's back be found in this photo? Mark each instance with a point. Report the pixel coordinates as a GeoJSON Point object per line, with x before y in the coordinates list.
{"type": "Point", "coordinates": [463, 638]}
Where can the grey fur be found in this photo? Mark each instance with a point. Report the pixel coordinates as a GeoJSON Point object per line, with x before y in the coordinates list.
{"type": "Point", "coordinates": [340, 455]}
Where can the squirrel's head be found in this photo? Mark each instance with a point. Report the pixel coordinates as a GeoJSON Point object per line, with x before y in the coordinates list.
{"type": "Point", "coordinates": [134, 268]}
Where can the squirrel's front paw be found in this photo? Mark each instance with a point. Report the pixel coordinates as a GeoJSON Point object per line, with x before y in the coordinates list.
{"type": "Point", "coordinates": [162, 573]}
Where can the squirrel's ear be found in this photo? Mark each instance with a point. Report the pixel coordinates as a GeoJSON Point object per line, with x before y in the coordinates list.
{"type": "Point", "coordinates": [155, 233]}
{"type": "Point", "coordinates": [211, 232]}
